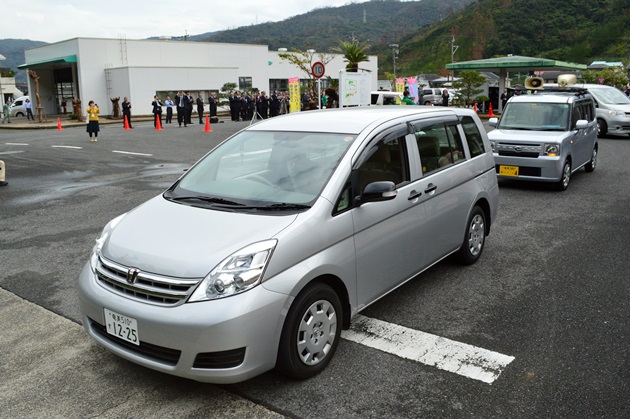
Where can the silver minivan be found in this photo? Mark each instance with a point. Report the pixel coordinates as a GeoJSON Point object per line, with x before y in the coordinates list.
{"type": "Point", "coordinates": [268, 246]}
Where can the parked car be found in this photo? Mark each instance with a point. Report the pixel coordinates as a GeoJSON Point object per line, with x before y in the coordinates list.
{"type": "Point", "coordinates": [545, 137]}
{"type": "Point", "coordinates": [17, 108]}
{"type": "Point", "coordinates": [268, 246]}
{"type": "Point", "coordinates": [385, 97]}
{"type": "Point", "coordinates": [613, 109]}
{"type": "Point", "coordinates": [431, 95]}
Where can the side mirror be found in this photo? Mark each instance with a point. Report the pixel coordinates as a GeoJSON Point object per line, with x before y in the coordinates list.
{"type": "Point", "coordinates": [493, 122]}
{"type": "Point", "coordinates": [581, 124]}
{"type": "Point", "coordinates": [377, 191]}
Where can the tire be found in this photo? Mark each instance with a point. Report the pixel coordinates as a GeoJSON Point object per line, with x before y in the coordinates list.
{"type": "Point", "coordinates": [602, 128]}
{"type": "Point", "coordinates": [563, 183]}
{"type": "Point", "coordinates": [590, 166]}
{"type": "Point", "coordinates": [474, 239]}
{"type": "Point", "coordinates": [311, 332]}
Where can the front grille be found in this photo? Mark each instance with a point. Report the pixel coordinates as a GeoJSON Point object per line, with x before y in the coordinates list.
{"type": "Point", "coordinates": [154, 352]}
{"type": "Point", "coordinates": [517, 154]}
{"type": "Point", "coordinates": [224, 359]}
{"type": "Point", "coordinates": [145, 287]}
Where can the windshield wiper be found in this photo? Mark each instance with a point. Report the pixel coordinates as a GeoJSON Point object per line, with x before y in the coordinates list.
{"type": "Point", "coordinates": [278, 206]}
{"type": "Point", "coordinates": [210, 199]}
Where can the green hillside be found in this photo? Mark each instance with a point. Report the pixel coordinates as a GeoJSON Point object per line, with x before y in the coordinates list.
{"type": "Point", "coordinates": [576, 30]}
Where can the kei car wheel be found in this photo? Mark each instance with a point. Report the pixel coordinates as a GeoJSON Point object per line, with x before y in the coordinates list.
{"type": "Point", "coordinates": [590, 166]}
{"type": "Point", "coordinates": [563, 183]}
{"type": "Point", "coordinates": [311, 332]}
{"type": "Point", "coordinates": [602, 128]}
{"type": "Point", "coordinates": [474, 239]}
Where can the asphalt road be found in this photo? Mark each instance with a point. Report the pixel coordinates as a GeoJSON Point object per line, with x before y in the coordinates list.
{"type": "Point", "coordinates": [551, 289]}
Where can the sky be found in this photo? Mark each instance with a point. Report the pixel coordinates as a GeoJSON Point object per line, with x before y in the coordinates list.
{"type": "Point", "coordinates": [58, 20]}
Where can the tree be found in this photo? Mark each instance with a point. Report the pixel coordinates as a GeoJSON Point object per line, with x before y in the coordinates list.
{"type": "Point", "coordinates": [612, 76]}
{"type": "Point", "coordinates": [353, 52]}
{"type": "Point", "coordinates": [468, 86]}
{"type": "Point", "coordinates": [225, 93]}
{"type": "Point", "coordinates": [304, 60]}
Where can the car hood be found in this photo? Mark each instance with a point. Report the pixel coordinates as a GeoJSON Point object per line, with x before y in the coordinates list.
{"type": "Point", "coordinates": [530, 136]}
{"type": "Point", "coordinates": [167, 238]}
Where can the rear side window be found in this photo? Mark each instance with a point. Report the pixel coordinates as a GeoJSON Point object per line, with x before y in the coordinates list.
{"type": "Point", "coordinates": [439, 145]}
{"type": "Point", "coordinates": [473, 136]}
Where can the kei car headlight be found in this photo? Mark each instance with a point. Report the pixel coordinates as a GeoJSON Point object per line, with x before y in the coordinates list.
{"type": "Point", "coordinates": [96, 251]}
{"type": "Point", "coordinates": [616, 113]}
{"type": "Point", "coordinates": [239, 272]}
{"type": "Point", "coordinates": [492, 145]}
{"type": "Point", "coordinates": [552, 150]}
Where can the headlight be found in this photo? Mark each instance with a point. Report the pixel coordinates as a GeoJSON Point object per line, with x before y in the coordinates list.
{"type": "Point", "coordinates": [552, 150]}
{"type": "Point", "coordinates": [96, 251]}
{"type": "Point", "coordinates": [237, 273]}
{"type": "Point", "coordinates": [492, 145]}
{"type": "Point", "coordinates": [616, 113]}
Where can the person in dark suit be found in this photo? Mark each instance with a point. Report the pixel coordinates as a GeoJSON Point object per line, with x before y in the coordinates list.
{"type": "Point", "coordinates": [274, 104]}
{"type": "Point", "coordinates": [212, 100]}
{"type": "Point", "coordinates": [126, 110]}
{"type": "Point", "coordinates": [188, 105]}
{"type": "Point", "coordinates": [238, 103]}
{"type": "Point", "coordinates": [157, 111]}
{"type": "Point", "coordinates": [504, 98]}
{"type": "Point", "coordinates": [180, 102]}
{"type": "Point", "coordinates": [251, 105]}
{"type": "Point", "coordinates": [262, 105]}
{"type": "Point", "coordinates": [232, 109]}
{"type": "Point", "coordinates": [200, 107]}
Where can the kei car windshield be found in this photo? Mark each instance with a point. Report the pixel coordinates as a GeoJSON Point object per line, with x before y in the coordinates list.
{"type": "Point", "coordinates": [264, 170]}
{"type": "Point", "coordinates": [610, 96]}
{"type": "Point", "coordinates": [535, 116]}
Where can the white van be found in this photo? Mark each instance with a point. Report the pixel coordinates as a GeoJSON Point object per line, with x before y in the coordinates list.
{"type": "Point", "coordinates": [386, 97]}
{"type": "Point", "coordinates": [613, 108]}
{"type": "Point", "coordinates": [17, 108]}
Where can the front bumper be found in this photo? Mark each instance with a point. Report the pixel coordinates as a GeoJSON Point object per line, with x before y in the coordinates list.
{"type": "Point", "coordinates": [540, 169]}
{"type": "Point", "coordinates": [221, 341]}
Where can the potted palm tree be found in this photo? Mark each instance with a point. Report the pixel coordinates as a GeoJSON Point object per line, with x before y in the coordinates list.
{"type": "Point", "coordinates": [353, 52]}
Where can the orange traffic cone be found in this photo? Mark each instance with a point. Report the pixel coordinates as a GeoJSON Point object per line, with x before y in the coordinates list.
{"type": "Point", "coordinates": [490, 113]}
{"type": "Point", "coordinates": [158, 124]}
{"type": "Point", "coordinates": [475, 108]}
{"type": "Point", "coordinates": [126, 125]}
{"type": "Point", "coordinates": [59, 127]}
{"type": "Point", "coordinates": [207, 128]}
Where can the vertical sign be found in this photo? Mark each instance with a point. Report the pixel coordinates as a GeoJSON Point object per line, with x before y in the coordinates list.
{"type": "Point", "coordinates": [412, 84]}
{"type": "Point", "coordinates": [400, 85]}
{"type": "Point", "coordinates": [354, 89]}
{"type": "Point", "coordinates": [294, 94]}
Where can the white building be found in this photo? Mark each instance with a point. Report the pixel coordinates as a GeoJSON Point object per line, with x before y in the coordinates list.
{"type": "Point", "coordinates": [101, 69]}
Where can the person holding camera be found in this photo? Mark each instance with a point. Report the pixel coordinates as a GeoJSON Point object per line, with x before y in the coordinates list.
{"type": "Point", "coordinates": [92, 126]}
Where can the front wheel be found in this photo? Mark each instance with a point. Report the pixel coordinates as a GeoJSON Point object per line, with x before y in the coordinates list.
{"type": "Point", "coordinates": [563, 183]}
{"type": "Point", "coordinates": [590, 166]}
{"type": "Point", "coordinates": [311, 332]}
{"type": "Point", "coordinates": [474, 239]}
{"type": "Point", "coordinates": [602, 128]}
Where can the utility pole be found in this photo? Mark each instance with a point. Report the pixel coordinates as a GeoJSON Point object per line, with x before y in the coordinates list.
{"type": "Point", "coordinates": [453, 50]}
{"type": "Point", "coordinates": [395, 52]}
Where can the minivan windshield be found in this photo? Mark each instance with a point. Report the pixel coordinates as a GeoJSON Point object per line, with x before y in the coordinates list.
{"type": "Point", "coordinates": [610, 96]}
{"type": "Point", "coordinates": [263, 170]}
{"type": "Point", "coordinates": [535, 116]}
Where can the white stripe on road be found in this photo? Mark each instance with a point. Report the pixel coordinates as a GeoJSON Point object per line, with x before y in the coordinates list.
{"type": "Point", "coordinates": [449, 355]}
{"type": "Point", "coordinates": [12, 152]}
{"type": "Point", "coordinates": [15, 143]}
{"type": "Point", "coordinates": [67, 146]}
{"type": "Point", "coordinates": [130, 152]}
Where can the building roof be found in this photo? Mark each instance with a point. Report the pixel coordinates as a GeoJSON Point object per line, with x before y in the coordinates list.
{"type": "Point", "coordinates": [514, 63]}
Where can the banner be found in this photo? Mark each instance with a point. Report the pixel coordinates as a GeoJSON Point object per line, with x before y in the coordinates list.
{"type": "Point", "coordinates": [412, 84]}
{"type": "Point", "coordinates": [400, 85]}
{"type": "Point", "coordinates": [294, 94]}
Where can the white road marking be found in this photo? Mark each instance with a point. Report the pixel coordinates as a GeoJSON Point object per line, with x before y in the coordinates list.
{"type": "Point", "coordinates": [67, 146]}
{"type": "Point", "coordinates": [15, 143]}
{"type": "Point", "coordinates": [130, 152]}
{"type": "Point", "coordinates": [12, 152]}
{"type": "Point", "coordinates": [449, 355]}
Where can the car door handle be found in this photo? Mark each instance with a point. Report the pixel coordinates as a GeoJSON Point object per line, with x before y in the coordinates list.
{"type": "Point", "coordinates": [430, 188]}
{"type": "Point", "coordinates": [414, 195]}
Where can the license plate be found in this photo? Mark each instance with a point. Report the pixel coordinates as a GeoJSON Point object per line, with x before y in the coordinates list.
{"type": "Point", "coordinates": [508, 170]}
{"type": "Point", "coordinates": [122, 327]}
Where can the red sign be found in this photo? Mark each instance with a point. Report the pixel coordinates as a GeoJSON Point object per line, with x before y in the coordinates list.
{"type": "Point", "coordinates": [318, 70]}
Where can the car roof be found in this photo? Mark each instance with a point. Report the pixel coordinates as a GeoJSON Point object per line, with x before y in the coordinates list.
{"type": "Point", "coordinates": [349, 120]}
{"type": "Point", "coordinates": [546, 97]}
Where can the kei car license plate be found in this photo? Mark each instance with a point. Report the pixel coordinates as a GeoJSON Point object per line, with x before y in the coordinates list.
{"type": "Point", "coordinates": [508, 170]}
{"type": "Point", "coordinates": [122, 327]}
